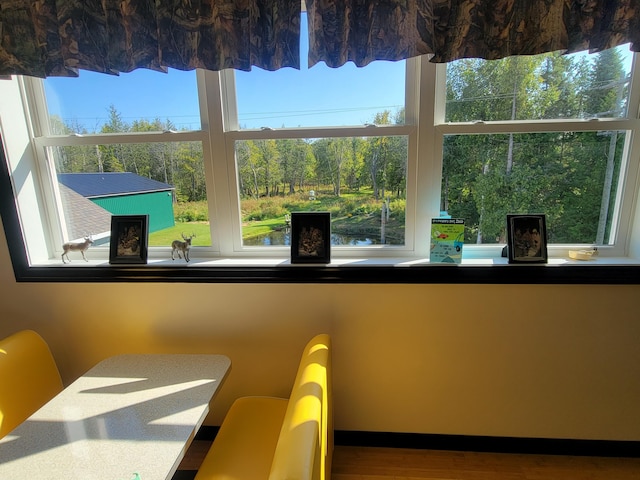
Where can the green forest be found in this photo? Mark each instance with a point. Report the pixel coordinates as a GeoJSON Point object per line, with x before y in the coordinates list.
{"type": "Point", "coordinates": [571, 177]}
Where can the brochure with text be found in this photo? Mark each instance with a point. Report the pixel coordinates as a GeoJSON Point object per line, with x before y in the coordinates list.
{"type": "Point", "coordinates": [447, 240]}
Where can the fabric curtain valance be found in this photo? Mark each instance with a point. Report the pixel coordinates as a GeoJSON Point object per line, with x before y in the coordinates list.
{"type": "Point", "coordinates": [362, 31]}
{"type": "Point", "coordinates": [58, 37]}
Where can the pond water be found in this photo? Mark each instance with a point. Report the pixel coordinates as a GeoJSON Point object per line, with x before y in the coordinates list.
{"type": "Point", "coordinates": [283, 237]}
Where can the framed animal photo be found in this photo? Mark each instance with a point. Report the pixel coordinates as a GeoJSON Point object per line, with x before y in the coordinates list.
{"type": "Point", "coordinates": [129, 239]}
{"type": "Point", "coordinates": [527, 238]}
{"type": "Point", "coordinates": [311, 237]}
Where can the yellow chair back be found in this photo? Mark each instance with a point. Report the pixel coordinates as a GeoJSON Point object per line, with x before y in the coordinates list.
{"type": "Point", "coordinates": [29, 378]}
{"type": "Point", "coordinates": [305, 444]}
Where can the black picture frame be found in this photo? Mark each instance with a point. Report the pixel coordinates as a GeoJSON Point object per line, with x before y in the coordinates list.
{"type": "Point", "coordinates": [527, 238]}
{"type": "Point", "coordinates": [311, 237]}
{"type": "Point", "coordinates": [129, 239]}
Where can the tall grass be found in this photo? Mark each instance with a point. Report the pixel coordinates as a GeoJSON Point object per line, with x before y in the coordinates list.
{"type": "Point", "coordinates": [359, 210]}
{"type": "Point", "coordinates": [191, 211]}
{"type": "Point", "coordinates": [348, 204]}
{"type": "Point", "coordinates": [262, 215]}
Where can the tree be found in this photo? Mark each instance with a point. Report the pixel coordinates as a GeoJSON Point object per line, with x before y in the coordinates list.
{"type": "Point", "coordinates": [339, 154]}
{"type": "Point", "coordinates": [324, 170]}
{"type": "Point", "coordinates": [379, 153]}
{"type": "Point", "coordinates": [355, 172]}
{"type": "Point", "coordinates": [294, 156]}
{"type": "Point", "coordinates": [189, 178]}
{"type": "Point", "coordinates": [487, 176]}
{"type": "Point", "coordinates": [247, 169]}
{"type": "Point", "coordinates": [264, 162]}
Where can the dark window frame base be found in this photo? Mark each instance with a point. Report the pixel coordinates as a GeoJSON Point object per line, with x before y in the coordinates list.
{"type": "Point", "coordinates": [424, 274]}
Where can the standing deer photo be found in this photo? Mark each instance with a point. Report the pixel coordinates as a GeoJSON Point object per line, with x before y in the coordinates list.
{"type": "Point", "coordinates": [76, 247]}
{"type": "Point", "coordinates": [177, 246]}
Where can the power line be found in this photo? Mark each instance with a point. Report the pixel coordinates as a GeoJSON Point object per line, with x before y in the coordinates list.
{"type": "Point", "coordinates": [243, 117]}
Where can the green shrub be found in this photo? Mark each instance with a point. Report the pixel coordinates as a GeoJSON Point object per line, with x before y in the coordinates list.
{"type": "Point", "coordinates": [398, 208]}
{"type": "Point", "coordinates": [191, 212]}
{"type": "Point", "coordinates": [254, 216]}
{"type": "Point", "coordinates": [349, 205]}
{"type": "Point", "coordinates": [263, 209]}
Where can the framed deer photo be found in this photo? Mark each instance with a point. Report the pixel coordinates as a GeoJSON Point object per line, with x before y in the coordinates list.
{"type": "Point", "coordinates": [527, 238]}
{"type": "Point", "coordinates": [129, 239]}
{"type": "Point", "coordinates": [311, 237]}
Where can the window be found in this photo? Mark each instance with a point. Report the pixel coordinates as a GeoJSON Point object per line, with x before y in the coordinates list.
{"type": "Point", "coordinates": [541, 134]}
{"type": "Point", "coordinates": [98, 103]}
{"type": "Point", "coordinates": [571, 177]}
{"type": "Point", "coordinates": [355, 177]}
{"type": "Point", "coordinates": [113, 149]}
{"type": "Point", "coordinates": [278, 176]}
{"type": "Point", "coordinates": [321, 139]}
{"type": "Point", "coordinates": [228, 156]}
{"type": "Point", "coordinates": [165, 180]}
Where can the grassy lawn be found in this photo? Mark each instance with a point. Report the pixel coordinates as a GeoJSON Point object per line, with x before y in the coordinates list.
{"type": "Point", "coordinates": [255, 228]}
{"type": "Point", "coordinates": [168, 235]}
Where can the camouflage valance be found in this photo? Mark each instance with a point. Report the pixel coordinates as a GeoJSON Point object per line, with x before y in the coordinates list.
{"type": "Point", "coordinates": [362, 31]}
{"type": "Point", "coordinates": [58, 37]}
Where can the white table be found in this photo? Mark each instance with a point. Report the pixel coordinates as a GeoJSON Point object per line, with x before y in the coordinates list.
{"type": "Point", "coordinates": [129, 414]}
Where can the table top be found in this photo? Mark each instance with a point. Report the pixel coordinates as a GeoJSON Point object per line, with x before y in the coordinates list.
{"type": "Point", "coordinates": [129, 414]}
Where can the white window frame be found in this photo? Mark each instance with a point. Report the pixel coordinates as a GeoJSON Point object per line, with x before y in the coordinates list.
{"type": "Point", "coordinates": [629, 185]}
{"type": "Point", "coordinates": [425, 130]}
{"type": "Point", "coordinates": [227, 117]}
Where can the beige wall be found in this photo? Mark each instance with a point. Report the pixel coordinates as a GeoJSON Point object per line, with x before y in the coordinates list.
{"type": "Point", "coordinates": [526, 361]}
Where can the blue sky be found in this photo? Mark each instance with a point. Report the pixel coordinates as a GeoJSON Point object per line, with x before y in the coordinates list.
{"type": "Point", "coordinates": [318, 96]}
{"type": "Point", "coordinates": [315, 97]}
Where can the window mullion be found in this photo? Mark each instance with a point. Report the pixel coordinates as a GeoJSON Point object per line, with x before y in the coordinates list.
{"type": "Point", "coordinates": [36, 105]}
{"type": "Point", "coordinates": [217, 160]}
{"type": "Point", "coordinates": [440, 87]}
{"type": "Point", "coordinates": [412, 119]}
{"type": "Point", "coordinates": [229, 102]}
{"type": "Point", "coordinates": [428, 169]}
{"type": "Point", "coordinates": [631, 200]}
{"type": "Point", "coordinates": [52, 213]}
{"type": "Point", "coordinates": [633, 111]}
{"type": "Point", "coordinates": [628, 178]}
{"type": "Point", "coordinates": [627, 232]}
{"type": "Point", "coordinates": [412, 91]}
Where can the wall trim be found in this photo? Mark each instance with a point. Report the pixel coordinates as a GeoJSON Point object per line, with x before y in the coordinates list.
{"type": "Point", "coordinates": [475, 443]}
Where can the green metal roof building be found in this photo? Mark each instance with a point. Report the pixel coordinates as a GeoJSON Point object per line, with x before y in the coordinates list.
{"type": "Point", "coordinates": [125, 193]}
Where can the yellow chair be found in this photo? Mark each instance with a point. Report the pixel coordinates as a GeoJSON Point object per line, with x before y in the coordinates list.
{"type": "Point", "coordinates": [267, 438]}
{"type": "Point", "coordinates": [29, 378]}
{"type": "Point", "coordinates": [305, 444]}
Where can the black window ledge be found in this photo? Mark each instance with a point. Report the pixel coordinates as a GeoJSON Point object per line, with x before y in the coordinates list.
{"type": "Point", "coordinates": [370, 274]}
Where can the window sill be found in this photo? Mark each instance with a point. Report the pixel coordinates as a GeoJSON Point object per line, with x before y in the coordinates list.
{"type": "Point", "coordinates": [621, 271]}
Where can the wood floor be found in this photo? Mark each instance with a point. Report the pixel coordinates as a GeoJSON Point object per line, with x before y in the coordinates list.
{"type": "Point", "coordinates": [374, 463]}
{"type": "Point", "coordinates": [357, 463]}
